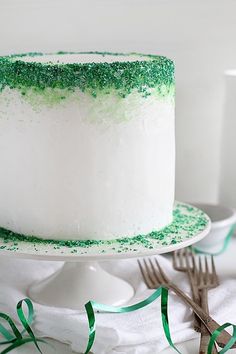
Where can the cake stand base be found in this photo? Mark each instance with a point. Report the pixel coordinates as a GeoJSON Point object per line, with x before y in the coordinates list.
{"type": "Point", "coordinates": [76, 283]}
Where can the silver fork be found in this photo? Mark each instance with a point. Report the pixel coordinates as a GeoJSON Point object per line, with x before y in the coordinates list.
{"type": "Point", "coordinates": [154, 277]}
{"type": "Point", "coordinates": [204, 277]}
{"type": "Point", "coordinates": [181, 263]}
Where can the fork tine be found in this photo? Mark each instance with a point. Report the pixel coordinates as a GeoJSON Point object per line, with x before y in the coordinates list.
{"type": "Point", "coordinates": [200, 273]}
{"type": "Point", "coordinates": [145, 275]}
{"type": "Point", "coordinates": [193, 258]}
{"type": "Point", "coordinates": [191, 270]}
{"type": "Point", "coordinates": [162, 274]}
{"type": "Point", "coordinates": [177, 259]}
{"type": "Point", "coordinates": [207, 275]}
{"type": "Point", "coordinates": [174, 259]}
{"type": "Point", "coordinates": [155, 273]}
{"type": "Point", "coordinates": [194, 269]}
{"type": "Point", "coordinates": [180, 253]}
{"type": "Point", "coordinates": [214, 274]}
{"type": "Point", "coordinates": [149, 272]}
{"type": "Point", "coordinates": [187, 259]}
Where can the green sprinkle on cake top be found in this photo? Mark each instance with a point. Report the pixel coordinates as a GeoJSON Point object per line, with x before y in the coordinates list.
{"type": "Point", "coordinates": [27, 71]}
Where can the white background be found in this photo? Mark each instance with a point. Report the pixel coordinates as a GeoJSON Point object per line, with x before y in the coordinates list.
{"type": "Point", "coordinates": [199, 35]}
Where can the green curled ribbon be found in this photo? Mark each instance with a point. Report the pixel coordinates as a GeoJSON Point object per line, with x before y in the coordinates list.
{"type": "Point", "coordinates": [217, 332]}
{"type": "Point", "coordinates": [15, 337]}
{"type": "Point", "coordinates": [91, 306]}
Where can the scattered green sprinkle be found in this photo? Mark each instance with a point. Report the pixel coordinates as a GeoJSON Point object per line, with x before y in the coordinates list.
{"type": "Point", "coordinates": [187, 221]}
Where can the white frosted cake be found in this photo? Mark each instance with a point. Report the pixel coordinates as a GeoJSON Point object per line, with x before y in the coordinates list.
{"type": "Point", "coordinates": [87, 145]}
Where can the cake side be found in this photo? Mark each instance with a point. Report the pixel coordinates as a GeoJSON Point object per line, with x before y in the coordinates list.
{"type": "Point", "coordinates": [90, 159]}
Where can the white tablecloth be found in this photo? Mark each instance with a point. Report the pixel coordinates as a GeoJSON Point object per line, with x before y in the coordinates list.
{"type": "Point", "coordinates": [133, 333]}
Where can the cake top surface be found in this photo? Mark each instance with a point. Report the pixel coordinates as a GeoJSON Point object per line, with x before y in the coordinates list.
{"type": "Point", "coordinates": [89, 71]}
{"type": "Point", "coordinates": [63, 58]}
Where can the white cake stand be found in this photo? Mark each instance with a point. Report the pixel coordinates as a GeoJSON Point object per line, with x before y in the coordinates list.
{"type": "Point", "coordinates": [81, 278]}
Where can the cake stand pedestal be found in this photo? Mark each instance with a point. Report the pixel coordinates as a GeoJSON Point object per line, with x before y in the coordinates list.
{"type": "Point", "coordinates": [82, 278]}
{"type": "Point", "coordinates": [78, 282]}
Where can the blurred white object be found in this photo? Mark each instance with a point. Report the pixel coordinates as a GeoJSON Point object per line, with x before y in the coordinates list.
{"type": "Point", "coordinates": [227, 186]}
{"type": "Point", "coordinates": [222, 219]}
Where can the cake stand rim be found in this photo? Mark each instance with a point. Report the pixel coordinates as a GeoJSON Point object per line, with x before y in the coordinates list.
{"type": "Point", "coordinates": [73, 257]}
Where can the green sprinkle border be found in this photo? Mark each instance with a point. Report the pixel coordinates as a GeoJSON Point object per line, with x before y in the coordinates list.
{"type": "Point", "coordinates": [187, 222]}
{"type": "Point", "coordinates": [93, 78]}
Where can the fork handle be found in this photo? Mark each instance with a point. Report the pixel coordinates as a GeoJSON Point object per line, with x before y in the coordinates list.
{"type": "Point", "coordinates": [205, 335]}
{"type": "Point", "coordinates": [197, 300]}
{"type": "Point", "coordinates": [208, 321]}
